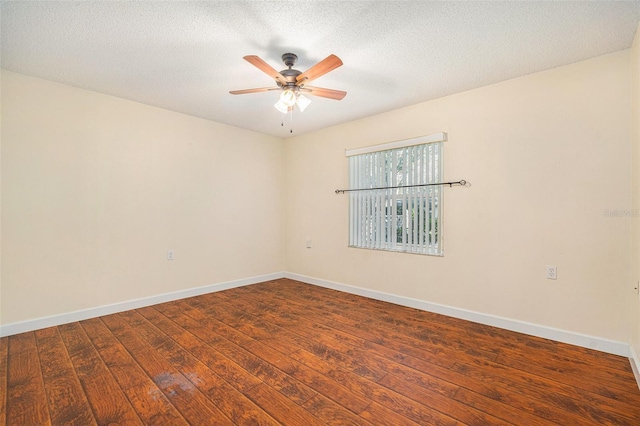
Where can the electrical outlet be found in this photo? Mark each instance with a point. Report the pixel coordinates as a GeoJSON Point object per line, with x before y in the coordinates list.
{"type": "Point", "coordinates": [552, 272]}
{"type": "Point", "coordinates": [170, 254]}
{"type": "Point", "coordinates": [308, 242]}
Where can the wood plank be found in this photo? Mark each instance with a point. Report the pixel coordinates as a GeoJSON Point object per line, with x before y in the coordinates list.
{"type": "Point", "coordinates": [4, 352]}
{"type": "Point", "coordinates": [356, 325]}
{"type": "Point", "coordinates": [449, 406]}
{"type": "Point", "coordinates": [145, 397]}
{"type": "Point", "coordinates": [520, 344]}
{"type": "Point", "coordinates": [424, 377]}
{"type": "Point", "coordinates": [108, 402]}
{"type": "Point", "coordinates": [356, 339]}
{"type": "Point", "coordinates": [383, 416]}
{"type": "Point", "coordinates": [320, 383]}
{"type": "Point", "coordinates": [311, 343]}
{"type": "Point", "coordinates": [505, 411]}
{"type": "Point", "coordinates": [26, 397]}
{"type": "Point", "coordinates": [67, 401]}
{"type": "Point", "coordinates": [591, 356]}
{"type": "Point", "coordinates": [232, 348]}
{"type": "Point", "coordinates": [200, 311]}
{"type": "Point", "coordinates": [189, 401]}
{"type": "Point", "coordinates": [592, 380]}
{"type": "Point", "coordinates": [224, 367]}
{"type": "Point", "coordinates": [331, 412]}
{"type": "Point", "coordinates": [589, 405]}
{"type": "Point", "coordinates": [340, 355]}
{"type": "Point", "coordinates": [238, 408]}
{"type": "Point", "coordinates": [375, 392]}
{"type": "Point", "coordinates": [153, 407]}
{"type": "Point", "coordinates": [280, 407]}
{"type": "Point", "coordinates": [518, 397]}
{"type": "Point", "coordinates": [320, 338]}
{"type": "Point", "coordinates": [124, 368]}
{"type": "Point", "coordinates": [529, 393]}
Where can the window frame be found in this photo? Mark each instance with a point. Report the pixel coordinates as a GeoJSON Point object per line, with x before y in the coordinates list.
{"type": "Point", "coordinates": [380, 171]}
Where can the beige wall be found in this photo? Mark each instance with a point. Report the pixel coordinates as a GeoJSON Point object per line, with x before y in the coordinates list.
{"type": "Point", "coordinates": [96, 189]}
{"type": "Point", "coordinates": [547, 156]}
{"type": "Point", "coordinates": [635, 144]}
{"type": "Point", "coordinates": [0, 200]}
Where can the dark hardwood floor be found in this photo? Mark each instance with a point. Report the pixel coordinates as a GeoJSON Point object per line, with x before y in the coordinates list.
{"type": "Point", "coordinates": [284, 352]}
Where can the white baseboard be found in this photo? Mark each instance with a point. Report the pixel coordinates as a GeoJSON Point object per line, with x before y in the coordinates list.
{"type": "Point", "coordinates": [50, 321]}
{"type": "Point", "coordinates": [635, 364]}
{"type": "Point", "coordinates": [583, 340]}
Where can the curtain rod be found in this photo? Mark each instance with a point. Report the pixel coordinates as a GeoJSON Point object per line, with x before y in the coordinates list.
{"type": "Point", "coordinates": [460, 183]}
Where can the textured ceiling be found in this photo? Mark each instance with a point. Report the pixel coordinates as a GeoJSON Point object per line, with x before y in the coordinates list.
{"type": "Point", "coordinates": [185, 56]}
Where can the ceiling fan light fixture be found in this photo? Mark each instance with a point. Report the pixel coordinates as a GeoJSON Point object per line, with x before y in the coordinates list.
{"type": "Point", "coordinates": [303, 102]}
{"type": "Point", "coordinates": [288, 97]}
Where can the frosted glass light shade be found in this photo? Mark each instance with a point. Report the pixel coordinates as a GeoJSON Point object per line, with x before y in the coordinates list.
{"type": "Point", "coordinates": [303, 102]}
{"type": "Point", "coordinates": [281, 107]}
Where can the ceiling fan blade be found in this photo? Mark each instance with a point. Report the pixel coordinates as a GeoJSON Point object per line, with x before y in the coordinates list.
{"type": "Point", "coordinates": [325, 93]}
{"type": "Point", "coordinates": [265, 68]}
{"type": "Point", "coordinates": [329, 63]}
{"type": "Point", "coordinates": [261, 89]}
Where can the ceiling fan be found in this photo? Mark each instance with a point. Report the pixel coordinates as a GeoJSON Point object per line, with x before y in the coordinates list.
{"type": "Point", "coordinates": [293, 83]}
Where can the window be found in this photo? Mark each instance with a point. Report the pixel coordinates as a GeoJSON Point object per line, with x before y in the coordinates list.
{"type": "Point", "coordinates": [392, 211]}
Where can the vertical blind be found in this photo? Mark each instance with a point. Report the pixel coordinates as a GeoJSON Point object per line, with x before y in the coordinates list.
{"type": "Point", "coordinates": [397, 219]}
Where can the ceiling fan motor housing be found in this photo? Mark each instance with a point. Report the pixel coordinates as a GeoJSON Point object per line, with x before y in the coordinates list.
{"type": "Point", "coordinates": [289, 74]}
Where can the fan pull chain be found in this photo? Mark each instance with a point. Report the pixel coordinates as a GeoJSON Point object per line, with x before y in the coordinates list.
{"type": "Point", "coordinates": [290, 120]}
